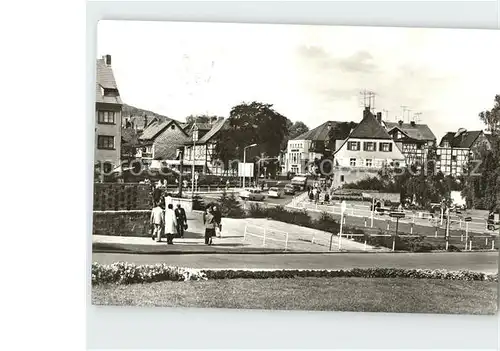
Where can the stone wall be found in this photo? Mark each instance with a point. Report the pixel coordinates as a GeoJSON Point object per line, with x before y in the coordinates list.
{"type": "Point", "coordinates": [121, 223]}
{"type": "Point", "coordinates": [122, 196]}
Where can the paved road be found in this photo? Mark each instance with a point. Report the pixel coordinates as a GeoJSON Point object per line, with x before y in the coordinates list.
{"type": "Point", "coordinates": [476, 261]}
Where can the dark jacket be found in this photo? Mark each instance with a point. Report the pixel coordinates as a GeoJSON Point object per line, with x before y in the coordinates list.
{"type": "Point", "coordinates": [180, 215]}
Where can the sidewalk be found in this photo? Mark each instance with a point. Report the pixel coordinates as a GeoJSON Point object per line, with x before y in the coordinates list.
{"type": "Point", "coordinates": [249, 235]}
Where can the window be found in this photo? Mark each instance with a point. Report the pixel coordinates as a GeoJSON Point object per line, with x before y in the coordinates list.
{"type": "Point", "coordinates": [106, 117]}
{"type": "Point", "coordinates": [107, 167]}
{"type": "Point", "coordinates": [454, 158]}
{"type": "Point", "coordinates": [368, 162]}
{"type": "Point", "coordinates": [353, 145]}
{"type": "Point", "coordinates": [369, 146]}
{"type": "Point", "coordinates": [386, 147]}
{"type": "Point", "coordinates": [106, 142]}
{"type": "Point", "coordinates": [342, 178]}
{"type": "Point", "coordinates": [352, 162]}
{"type": "Point", "coordinates": [172, 127]}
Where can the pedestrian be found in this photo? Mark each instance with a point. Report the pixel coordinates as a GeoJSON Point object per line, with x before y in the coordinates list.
{"type": "Point", "coordinates": [218, 220]}
{"type": "Point", "coordinates": [181, 218]}
{"type": "Point", "coordinates": [170, 223]}
{"type": "Point", "coordinates": [316, 197]}
{"type": "Point", "coordinates": [327, 197]}
{"type": "Point", "coordinates": [156, 221]}
{"type": "Point", "coordinates": [209, 222]}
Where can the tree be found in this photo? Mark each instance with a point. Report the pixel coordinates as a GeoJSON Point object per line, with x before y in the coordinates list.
{"type": "Point", "coordinates": [230, 206]}
{"type": "Point", "coordinates": [253, 123]}
{"type": "Point", "coordinates": [297, 129]}
{"type": "Point", "coordinates": [482, 181]}
{"type": "Point", "coordinates": [491, 118]}
{"type": "Point", "coordinates": [201, 119]}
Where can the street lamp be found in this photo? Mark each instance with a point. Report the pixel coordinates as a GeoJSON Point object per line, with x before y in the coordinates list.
{"type": "Point", "coordinates": [245, 161]}
{"type": "Point", "coordinates": [195, 139]}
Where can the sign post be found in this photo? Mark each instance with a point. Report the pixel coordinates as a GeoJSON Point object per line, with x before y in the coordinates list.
{"type": "Point", "coordinates": [396, 215]}
{"type": "Point", "coordinates": [373, 210]}
{"type": "Point", "coordinates": [447, 228]}
{"type": "Point", "coordinates": [467, 220]}
{"type": "Point", "coordinates": [343, 207]}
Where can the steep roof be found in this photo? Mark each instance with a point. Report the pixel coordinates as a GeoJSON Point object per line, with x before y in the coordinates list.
{"type": "Point", "coordinates": [415, 131]}
{"type": "Point", "coordinates": [464, 140]}
{"type": "Point", "coordinates": [320, 133]}
{"type": "Point", "coordinates": [369, 128]}
{"type": "Point", "coordinates": [105, 81]}
{"type": "Point", "coordinates": [138, 121]}
{"type": "Point", "coordinates": [167, 149]}
{"type": "Point", "coordinates": [155, 128]}
{"type": "Point", "coordinates": [216, 127]}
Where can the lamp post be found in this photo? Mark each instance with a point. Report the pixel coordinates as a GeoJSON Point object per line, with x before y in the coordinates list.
{"type": "Point", "coordinates": [193, 156]}
{"type": "Point", "coordinates": [245, 161]}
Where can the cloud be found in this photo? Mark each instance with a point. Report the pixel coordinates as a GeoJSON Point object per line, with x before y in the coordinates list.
{"type": "Point", "coordinates": [359, 62]}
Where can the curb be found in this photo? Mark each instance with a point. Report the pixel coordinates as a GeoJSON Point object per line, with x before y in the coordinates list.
{"type": "Point", "coordinates": [222, 251]}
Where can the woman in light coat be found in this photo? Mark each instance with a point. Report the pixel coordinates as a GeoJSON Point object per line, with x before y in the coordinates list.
{"type": "Point", "coordinates": [170, 223]}
{"type": "Point", "coordinates": [209, 222]}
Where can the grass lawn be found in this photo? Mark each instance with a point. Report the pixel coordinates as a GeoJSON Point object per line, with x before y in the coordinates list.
{"type": "Point", "coordinates": [320, 294]}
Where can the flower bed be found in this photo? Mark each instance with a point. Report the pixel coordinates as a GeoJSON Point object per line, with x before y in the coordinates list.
{"type": "Point", "coordinates": [126, 273]}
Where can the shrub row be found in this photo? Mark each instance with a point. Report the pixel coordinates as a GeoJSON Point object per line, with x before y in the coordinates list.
{"type": "Point", "coordinates": [126, 273]}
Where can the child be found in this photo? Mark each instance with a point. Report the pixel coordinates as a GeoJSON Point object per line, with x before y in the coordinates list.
{"type": "Point", "coordinates": [156, 221]}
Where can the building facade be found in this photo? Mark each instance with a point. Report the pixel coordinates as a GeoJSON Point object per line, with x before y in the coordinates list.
{"type": "Point", "coordinates": [457, 149]}
{"type": "Point", "coordinates": [202, 155]}
{"type": "Point", "coordinates": [161, 140]}
{"type": "Point", "coordinates": [108, 119]}
{"type": "Point", "coordinates": [303, 150]}
{"type": "Point", "coordinates": [365, 151]}
{"type": "Point", "coordinates": [414, 140]}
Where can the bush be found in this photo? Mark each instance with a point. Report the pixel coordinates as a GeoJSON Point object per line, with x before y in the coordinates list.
{"type": "Point", "coordinates": [198, 204]}
{"type": "Point", "coordinates": [257, 211]}
{"type": "Point", "coordinates": [126, 273]}
{"type": "Point", "coordinates": [230, 206]}
{"type": "Point", "coordinates": [326, 223]}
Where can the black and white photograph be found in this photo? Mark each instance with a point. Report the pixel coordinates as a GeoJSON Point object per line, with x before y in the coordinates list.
{"type": "Point", "coordinates": [296, 167]}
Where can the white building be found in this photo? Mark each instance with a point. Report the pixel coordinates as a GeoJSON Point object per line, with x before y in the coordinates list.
{"type": "Point", "coordinates": [304, 149]}
{"type": "Point", "coordinates": [367, 149]}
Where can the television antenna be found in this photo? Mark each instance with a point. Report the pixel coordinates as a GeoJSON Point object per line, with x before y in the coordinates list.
{"type": "Point", "coordinates": [386, 113]}
{"type": "Point", "coordinates": [417, 116]}
{"type": "Point", "coordinates": [368, 99]}
{"type": "Point", "coordinates": [404, 109]}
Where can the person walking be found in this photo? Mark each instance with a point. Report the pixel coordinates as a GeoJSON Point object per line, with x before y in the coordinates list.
{"type": "Point", "coordinates": [181, 218]}
{"type": "Point", "coordinates": [218, 220]}
{"type": "Point", "coordinates": [156, 220]}
{"type": "Point", "coordinates": [209, 222]}
{"type": "Point", "coordinates": [170, 223]}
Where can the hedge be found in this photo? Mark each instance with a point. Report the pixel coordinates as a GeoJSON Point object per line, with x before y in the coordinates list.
{"type": "Point", "coordinates": [127, 273]}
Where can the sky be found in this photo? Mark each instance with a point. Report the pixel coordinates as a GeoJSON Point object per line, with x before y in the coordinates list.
{"type": "Point", "coordinates": [309, 73]}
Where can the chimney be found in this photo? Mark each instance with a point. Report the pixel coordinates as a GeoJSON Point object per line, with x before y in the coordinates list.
{"type": "Point", "coordinates": [412, 123]}
{"type": "Point", "coordinates": [400, 122]}
{"type": "Point", "coordinates": [145, 121]}
{"type": "Point", "coordinates": [379, 117]}
{"type": "Point", "coordinates": [107, 60]}
{"type": "Point", "coordinates": [366, 112]}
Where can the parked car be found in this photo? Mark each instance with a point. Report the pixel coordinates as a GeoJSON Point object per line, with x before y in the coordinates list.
{"type": "Point", "coordinates": [289, 189]}
{"type": "Point", "coordinates": [274, 192]}
{"type": "Point", "coordinates": [252, 194]}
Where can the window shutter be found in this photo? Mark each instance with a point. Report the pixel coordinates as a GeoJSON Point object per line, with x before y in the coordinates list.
{"type": "Point", "coordinates": [365, 146]}
{"type": "Point", "coordinates": [390, 147]}
{"type": "Point", "coordinates": [359, 145]}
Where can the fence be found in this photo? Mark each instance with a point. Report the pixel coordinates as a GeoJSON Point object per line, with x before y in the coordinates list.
{"type": "Point", "coordinates": [122, 196]}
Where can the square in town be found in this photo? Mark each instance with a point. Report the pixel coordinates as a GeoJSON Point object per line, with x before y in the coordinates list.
{"type": "Point", "coordinates": [296, 167]}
